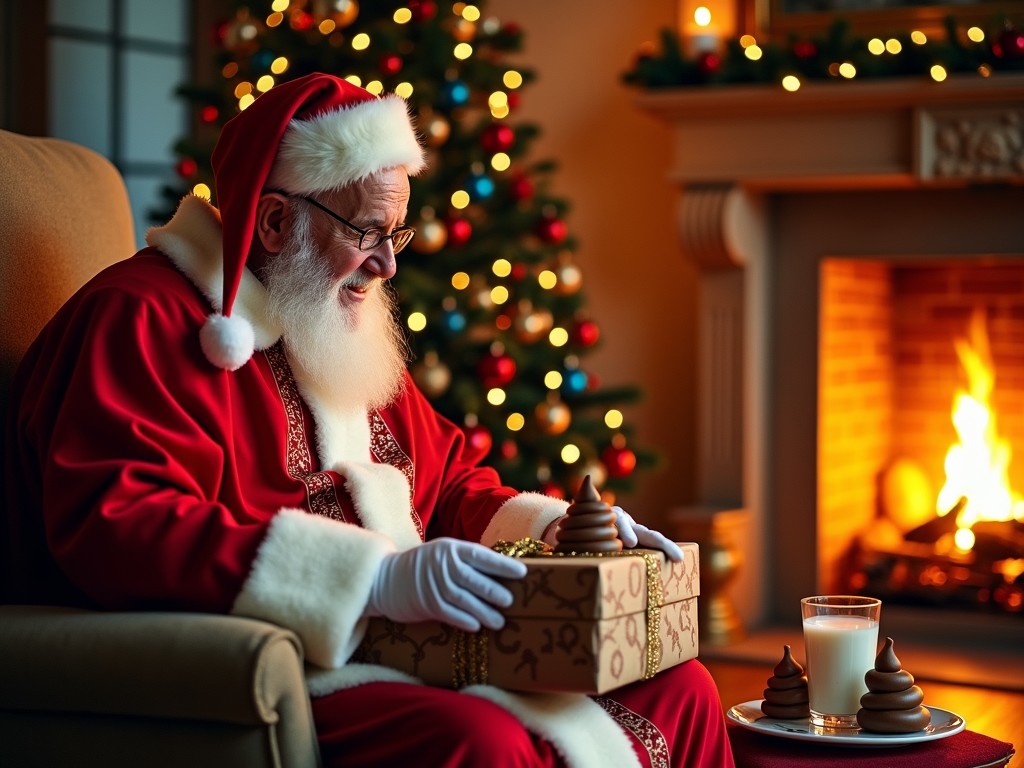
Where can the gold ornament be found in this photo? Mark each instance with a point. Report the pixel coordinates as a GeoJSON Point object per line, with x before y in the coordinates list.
{"type": "Point", "coordinates": [431, 235]}
{"type": "Point", "coordinates": [480, 293]}
{"type": "Point", "coordinates": [553, 416]}
{"type": "Point", "coordinates": [595, 469]}
{"type": "Point", "coordinates": [242, 35]}
{"type": "Point", "coordinates": [436, 130]}
{"type": "Point", "coordinates": [464, 30]}
{"type": "Point", "coordinates": [344, 12]}
{"type": "Point", "coordinates": [431, 375]}
{"type": "Point", "coordinates": [532, 326]}
{"type": "Point", "coordinates": [570, 279]}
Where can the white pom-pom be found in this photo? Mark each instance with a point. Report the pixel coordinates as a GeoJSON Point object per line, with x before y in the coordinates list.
{"type": "Point", "coordinates": [227, 342]}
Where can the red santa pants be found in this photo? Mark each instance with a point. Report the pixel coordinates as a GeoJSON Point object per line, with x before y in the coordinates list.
{"type": "Point", "coordinates": [674, 719]}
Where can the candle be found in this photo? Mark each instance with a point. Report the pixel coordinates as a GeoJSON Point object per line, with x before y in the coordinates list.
{"type": "Point", "coordinates": [701, 36]}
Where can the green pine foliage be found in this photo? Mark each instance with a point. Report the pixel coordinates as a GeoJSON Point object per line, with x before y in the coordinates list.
{"type": "Point", "coordinates": [484, 285]}
{"type": "Point", "coordinates": [816, 57]}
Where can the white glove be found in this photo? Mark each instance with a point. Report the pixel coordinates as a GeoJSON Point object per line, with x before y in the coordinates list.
{"type": "Point", "coordinates": [633, 534]}
{"type": "Point", "coordinates": [445, 580]}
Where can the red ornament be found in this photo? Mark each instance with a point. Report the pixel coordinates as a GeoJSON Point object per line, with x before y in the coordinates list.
{"type": "Point", "coordinates": [209, 114]}
{"type": "Point", "coordinates": [519, 271]}
{"type": "Point", "coordinates": [520, 188]}
{"type": "Point", "coordinates": [497, 137]}
{"type": "Point", "coordinates": [1009, 44]}
{"type": "Point", "coordinates": [709, 62]}
{"type": "Point", "coordinates": [478, 438]}
{"type": "Point", "coordinates": [220, 32]}
{"type": "Point", "coordinates": [585, 333]}
{"type": "Point", "coordinates": [804, 49]}
{"type": "Point", "coordinates": [619, 461]}
{"type": "Point", "coordinates": [187, 167]}
{"type": "Point", "coordinates": [390, 64]}
{"type": "Point", "coordinates": [514, 100]}
{"type": "Point", "coordinates": [553, 490]}
{"type": "Point", "coordinates": [301, 21]}
{"type": "Point", "coordinates": [422, 10]}
{"type": "Point", "coordinates": [509, 449]}
{"type": "Point", "coordinates": [459, 231]}
{"type": "Point", "coordinates": [552, 231]}
{"type": "Point", "coordinates": [496, 370]}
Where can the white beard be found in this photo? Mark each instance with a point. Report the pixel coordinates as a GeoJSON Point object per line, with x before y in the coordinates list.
{"type": "Point", "coordinates": [354, 358]}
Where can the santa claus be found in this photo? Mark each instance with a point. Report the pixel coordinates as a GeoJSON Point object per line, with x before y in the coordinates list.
{"type": "Point", "coordinates": [224, 422]}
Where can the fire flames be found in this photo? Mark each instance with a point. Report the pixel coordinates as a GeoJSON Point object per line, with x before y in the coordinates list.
{"type": "Point", "coordinates": [977, 465]}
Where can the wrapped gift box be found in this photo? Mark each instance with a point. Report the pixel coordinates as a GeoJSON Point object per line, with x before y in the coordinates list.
{"type": "Point", "coordinates": [578, 624]}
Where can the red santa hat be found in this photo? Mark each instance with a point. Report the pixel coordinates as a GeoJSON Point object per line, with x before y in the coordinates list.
{"type": "Point", "coordinates": [309, 135]}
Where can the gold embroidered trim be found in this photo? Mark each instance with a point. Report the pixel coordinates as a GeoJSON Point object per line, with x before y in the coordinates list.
{"type": "Point", "coordinates": [646, 732]}
{"type": "Point", "coordinates": [469, 649]}
{"type": "Point", "coordinates": [320, 491]}
{"type": "Point", "coordinates": [387, 450]}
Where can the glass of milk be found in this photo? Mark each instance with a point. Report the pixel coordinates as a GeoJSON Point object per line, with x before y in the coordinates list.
{"type": "Point", "coordinates": [840, 641]}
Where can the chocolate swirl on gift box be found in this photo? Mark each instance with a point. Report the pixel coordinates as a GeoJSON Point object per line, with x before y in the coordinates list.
{"type": "Point", "coordinates": [588, 525]}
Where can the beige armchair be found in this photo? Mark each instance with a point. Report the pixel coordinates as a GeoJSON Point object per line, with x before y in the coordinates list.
{"type": "Point", "coordinates": [119, 689]}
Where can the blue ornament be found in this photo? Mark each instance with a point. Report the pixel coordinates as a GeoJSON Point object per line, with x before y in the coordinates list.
{"type": "Point", "coordinates": [480, 186]}
{"type": "Point", "coordinates": [574, 381]}
{"type": "Point", "coordinates": [453, 321]}
{"type": "Point", "coordinates": [262, 59]}
{"type": "Point", "coordinates": [454, 93]}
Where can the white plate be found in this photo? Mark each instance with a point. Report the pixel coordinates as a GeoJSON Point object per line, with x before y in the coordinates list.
{"type": "Point", "coordinates": [749, 715]}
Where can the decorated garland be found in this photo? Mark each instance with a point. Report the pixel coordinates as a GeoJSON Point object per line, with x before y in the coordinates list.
{"type": "Point", "coordinates": [837, 55]}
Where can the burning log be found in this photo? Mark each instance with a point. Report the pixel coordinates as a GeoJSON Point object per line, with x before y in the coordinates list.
{"type": "Point", "coordinates": [937, 527]}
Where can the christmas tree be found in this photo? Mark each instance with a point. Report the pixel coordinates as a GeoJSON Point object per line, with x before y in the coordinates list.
{"type": "Point", "coordinates": [490, 290]}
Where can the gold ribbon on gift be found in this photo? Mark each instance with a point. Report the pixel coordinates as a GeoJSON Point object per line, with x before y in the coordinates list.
{"type": "Point", "coordinates": [469, 649]}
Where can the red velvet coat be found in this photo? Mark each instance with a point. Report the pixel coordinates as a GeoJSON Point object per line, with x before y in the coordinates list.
{"type": "Point", "coordinates": [139, 475]}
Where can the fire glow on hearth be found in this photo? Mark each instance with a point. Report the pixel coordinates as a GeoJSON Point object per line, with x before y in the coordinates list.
{"type": "Point", "coordinates": [969, 549]}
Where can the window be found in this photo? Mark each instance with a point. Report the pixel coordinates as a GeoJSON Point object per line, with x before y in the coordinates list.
{"type": "Point", "coordinates": [113, 67]}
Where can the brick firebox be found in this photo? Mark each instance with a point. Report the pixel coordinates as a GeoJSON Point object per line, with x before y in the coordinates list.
{"type": "Point", "coordinates": [888, 372]}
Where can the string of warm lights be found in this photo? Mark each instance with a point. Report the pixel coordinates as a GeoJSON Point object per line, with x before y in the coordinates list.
{"type": "Point", "coordinates": [837, 55]}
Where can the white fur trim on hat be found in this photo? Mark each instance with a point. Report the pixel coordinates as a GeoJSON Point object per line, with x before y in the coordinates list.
{"type": "Point", "coordinates": [338, 148]}
{"type": "Point", "coordinates": [227, 342]}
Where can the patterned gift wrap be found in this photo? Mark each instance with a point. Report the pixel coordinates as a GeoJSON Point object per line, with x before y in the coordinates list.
{"type": "Point", "coordinates": [578, 623]}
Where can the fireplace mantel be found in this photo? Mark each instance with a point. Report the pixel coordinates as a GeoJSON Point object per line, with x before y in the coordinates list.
{"type": "Point", "coordinates": [886, 133]}
{"type": "Point", "coordinates": [770, 183]}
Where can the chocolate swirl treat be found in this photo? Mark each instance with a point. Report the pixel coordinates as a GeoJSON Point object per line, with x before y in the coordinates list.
{"type": "Point", "coordinates": [786, 695]}
{"type": "Point", "coordinates": [892, 703]}
{"type": "Point", "coordinates": [589, 524]}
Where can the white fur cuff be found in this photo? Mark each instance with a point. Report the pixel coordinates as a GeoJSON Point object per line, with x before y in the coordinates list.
{"type": "Point", "coordinates": [579, 729]}
{"type": "Point", "coordinates": [527, 514]}
{"type": "Point", "coordinates": [313, 575]}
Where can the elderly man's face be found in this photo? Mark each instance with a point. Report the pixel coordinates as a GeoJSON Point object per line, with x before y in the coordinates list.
{"type": "Point", "coordinates": [377, 203]}
{"type": "Point", "coordinates": [332, 301]}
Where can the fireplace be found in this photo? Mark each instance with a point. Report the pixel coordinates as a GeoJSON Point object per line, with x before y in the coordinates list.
{"type": "Point", "coordinates": [894, 186]}
{"type": "Point", "coordinates": [920, 380]}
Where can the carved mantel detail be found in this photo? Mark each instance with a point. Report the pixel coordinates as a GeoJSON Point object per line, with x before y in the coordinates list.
{"type": "Point", "coordinates": [984, 145]}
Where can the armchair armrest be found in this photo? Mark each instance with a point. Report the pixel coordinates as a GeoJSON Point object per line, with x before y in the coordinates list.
{"type": "Point", "coordinates": [159, 666]}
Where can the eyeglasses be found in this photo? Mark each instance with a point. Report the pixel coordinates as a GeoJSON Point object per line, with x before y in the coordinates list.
{"type": "Point", "coordinates": [369, 239]}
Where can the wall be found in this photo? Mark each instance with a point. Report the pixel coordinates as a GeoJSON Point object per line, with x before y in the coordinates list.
{"type": "Point", "coordinates": [613, 169]}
